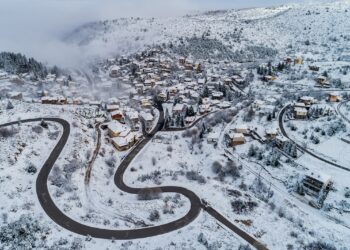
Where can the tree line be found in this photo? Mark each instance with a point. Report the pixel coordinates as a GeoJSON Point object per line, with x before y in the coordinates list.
{"type": "Point", "coordinates": [16, 63]}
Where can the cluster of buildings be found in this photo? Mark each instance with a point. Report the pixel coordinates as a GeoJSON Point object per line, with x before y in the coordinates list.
{"type": "Point", "coordinates": [23, 87]}
{"type": "Point", "coordinates": [303, 105]}
{"type": "Point", "coordinates": [270, 72]}
{"type": "Point", "coordinates": [300, 108]}
{"type": "Point", "coordinates": [149, 76]}
{"type": "Point", "coordinates": [154, 75]}
{"type": "Point", "coordinates": [127, 124]}
{"type": "Point", "coordinates": [239, 133]}
{"type": "Point", "coordinates": [122, 136]}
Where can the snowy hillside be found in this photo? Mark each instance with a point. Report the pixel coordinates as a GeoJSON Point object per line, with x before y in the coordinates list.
{"type": "Point", "coordinates": [226, 129]}
{"type": "Point", "coordinates": [298, 27]}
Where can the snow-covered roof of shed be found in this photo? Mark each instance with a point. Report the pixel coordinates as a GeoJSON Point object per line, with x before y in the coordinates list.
{"type": "Point", "coordinates": [306, 98]}
{"type": "Point", "coordinates": [120, 141]}
{"type": "Point", "coordinates": [236, 135]}
{"type": "Point", "coordinates": [320, 176]}
{"type": "Point", "coordinates": [114, 67]}
{"type": "Point", "coordinates": [300, 110]}
{"type": "Point", "coordinates": [299, 104]}
{"type": "Point", "coordinates": [116, 112]}
{"type": "Point", "coordinates": [146, 116]}
{"type": "Point", "coordinates": [117, 127]}
{"type": "Point", "coordinates": [242, 126]}
{"type": "Point", "coordinates": [271, 131]}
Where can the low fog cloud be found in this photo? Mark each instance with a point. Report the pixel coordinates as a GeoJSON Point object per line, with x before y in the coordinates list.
{"type": "Point", "coordinates": [36, 27]}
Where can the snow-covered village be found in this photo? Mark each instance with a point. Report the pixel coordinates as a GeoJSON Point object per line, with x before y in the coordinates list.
{"type": "Point", "coordinates": [215, 129]}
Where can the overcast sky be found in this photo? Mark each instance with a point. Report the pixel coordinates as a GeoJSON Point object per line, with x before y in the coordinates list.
{"type": "Point", "coordinates": [34, 27]}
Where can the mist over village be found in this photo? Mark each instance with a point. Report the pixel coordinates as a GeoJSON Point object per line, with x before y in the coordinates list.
{"type": "Point", "coordinates": [175, 125]}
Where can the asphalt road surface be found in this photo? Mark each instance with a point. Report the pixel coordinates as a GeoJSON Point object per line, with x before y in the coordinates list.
{"type": "Point", "coordinates": [66, 222]}
{"type": "Point", "coordinates": [63, 220]}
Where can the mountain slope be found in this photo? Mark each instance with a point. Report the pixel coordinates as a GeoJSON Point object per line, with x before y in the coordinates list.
{"type": "Point", "coordinates": [297, 27]}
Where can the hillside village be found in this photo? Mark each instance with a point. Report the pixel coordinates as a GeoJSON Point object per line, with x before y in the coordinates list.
{"type": "Point", "coordinates": [188, 89]}
{"type": "Point", "coordinates": [265, 142]}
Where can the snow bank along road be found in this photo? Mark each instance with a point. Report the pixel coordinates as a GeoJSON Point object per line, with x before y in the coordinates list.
{"type": "Point", "coordinates": [283, 131]}
{"type": "Point", "coordinates": [63, 220]}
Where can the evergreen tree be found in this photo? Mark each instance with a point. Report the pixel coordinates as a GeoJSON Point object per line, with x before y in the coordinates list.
{"type": "Point", "coordinates": [178, 120]}
{"type": "Point", "coordinates": [270, 71]}
{"type": "Point", "coordinates": [224, 90]}
{"type": "Point", "coordinates": [203, 129]}
{"type": "Point", "coordinates": [279, 67]}
{"type": "Point", "coordinates": [166, 118]}
{"type": "Point", "coordinates": [9, 105]}
{"type": "Point", "coordinates": [44, 124]}
{"type": "Point", "coordinates": [275, 160]}
{"type": "Point", "coordinates": [258, 71]}
{"type": "Point", "coordinates": [200, 101]}
{"type": "Point", "coordinates": [251, 151]}
{"type": "Point", "coordinates": [182, 121]}
{"type": "Point", "coordinates": [55, 70]}
{"type": "Point", "coordinates": [250, 114]}
{"type": "Point", "coordinates": [229, 95]}
{"type": "Point", "coordinates": [205, 92]}
{"type": "Point", "coordinates": [310, 113]}
{"type": "Point", "coordinates": [190, 111]}
{"type": "Point", "coordinates": [259, 155]}
{"type": "Point", "coordinates": [176, 100]}
{"type": "Point", "coordinates": [269, 117]}
{"type": "Point", "coordinates": [274, 113]}
{"type": "Point", "coordinates": [282, 67]}
{"type": "Point", "coordinates": [300, 189]}
{"type": "Point", "coordinates": [17, 64]}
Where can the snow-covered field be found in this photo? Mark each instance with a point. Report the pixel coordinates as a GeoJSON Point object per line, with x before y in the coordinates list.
{"type": "Point", "coordinates": [100, 204]}
{"type": "Point", "coordinates": [92, 204]}
{"type": "Point", "coordinates": [253, 185]}
{"type": "Point", "coordinates": [178, 159]}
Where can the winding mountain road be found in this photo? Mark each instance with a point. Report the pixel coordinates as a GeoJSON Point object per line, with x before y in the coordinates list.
{"type": "Point", "coordinates": [66, 222]}
{"type": "Point", "coordinates": [300, 147]}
